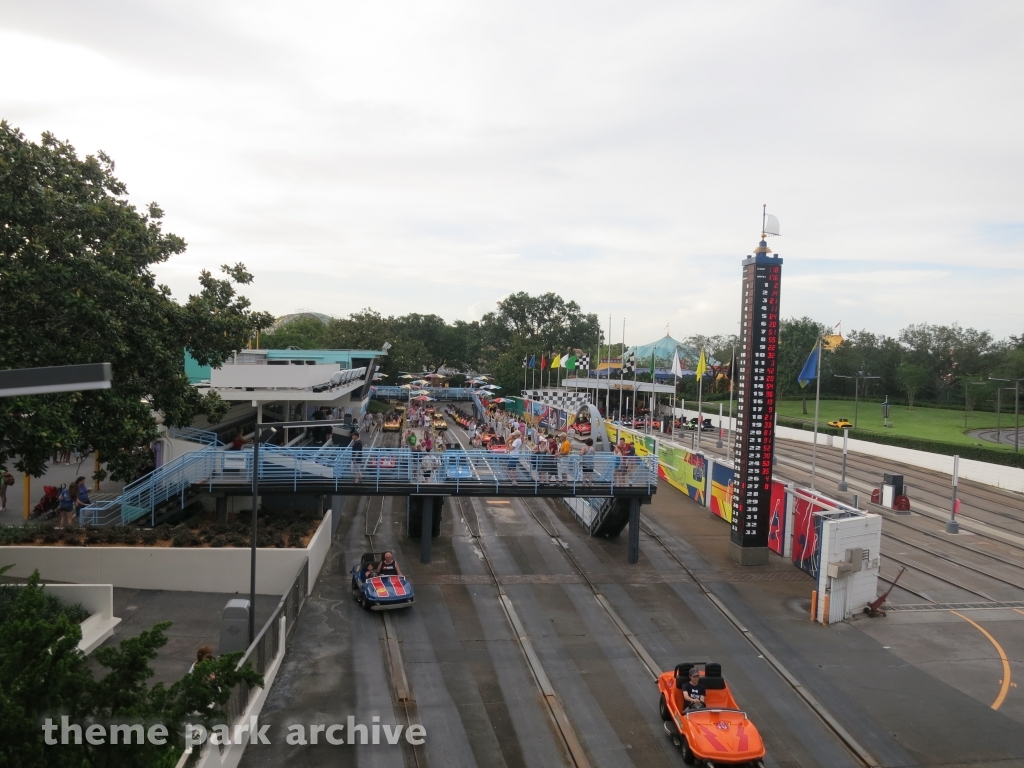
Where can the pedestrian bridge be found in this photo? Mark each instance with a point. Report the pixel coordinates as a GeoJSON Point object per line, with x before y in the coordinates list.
{"type": "Point", "coordinates": [332, 470]}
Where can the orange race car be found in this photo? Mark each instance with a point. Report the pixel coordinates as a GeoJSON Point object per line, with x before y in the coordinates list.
{"type": "Point", "coordinates": [717, 734]}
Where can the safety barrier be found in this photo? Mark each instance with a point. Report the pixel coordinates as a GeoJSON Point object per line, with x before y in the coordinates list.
{"type": "Point", "coordinates": [202, 436]}
{"type": "Point", "coordinates": [438, 393]}
{"type": "Point", "coordinates": [382, 471]}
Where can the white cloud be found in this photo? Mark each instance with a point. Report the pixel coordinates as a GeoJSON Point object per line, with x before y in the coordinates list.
{"type": "Point", "coordinates": [398, 155]}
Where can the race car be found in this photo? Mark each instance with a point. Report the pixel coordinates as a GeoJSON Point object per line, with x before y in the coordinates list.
{"type": "Point", "coordinates": [379, 593]}
{"type": "Point", "coordinates": [717, 734]}
{"type": "Point", "coordinates": [392, 423]}
{"type": "Point", "coordinates": [581, 428]}
{"type": "Point", "coordinates": [438, 422]}
{"type": "Point", "coordinates": [841, 424]}
{"type": "Point", "coordinates": [457, 466]}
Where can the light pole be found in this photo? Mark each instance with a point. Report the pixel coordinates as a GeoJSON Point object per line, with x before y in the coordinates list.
{"type": "Point", "coordinates": [952, 526]}
{"type": "Point", "coordinates": [842, 481]}
{"type": "Point", "coordinates": [1016, 409]}
{"type": "Point", "coordinates": [967, 398]}
{"type": "Point", "coordinates": [861, 376]}
{"type": "Point", "coordinates": [257, 437]}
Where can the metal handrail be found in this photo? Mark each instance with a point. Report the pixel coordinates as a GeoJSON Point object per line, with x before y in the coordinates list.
{"type": "Point", "coordinates": [267, 644]}
{"type": "Point", "coordinates": [203, 436]}
{"type": "Point", "coordinates": [438, 393]}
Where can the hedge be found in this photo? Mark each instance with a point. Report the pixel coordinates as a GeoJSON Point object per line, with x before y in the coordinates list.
{"type": "Point", "coordinates": [918, 444]}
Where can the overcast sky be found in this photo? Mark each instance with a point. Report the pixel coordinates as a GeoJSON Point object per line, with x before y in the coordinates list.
{"type": "Point", "coordinates": [433, 157]}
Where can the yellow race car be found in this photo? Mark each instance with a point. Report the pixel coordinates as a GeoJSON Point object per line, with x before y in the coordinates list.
{"type": "Point", "coordinates": [841, 424]}
{"type": "Point", "coordinates": [392, 423]}
{"type": "Point", "coordinates": [437, 421]}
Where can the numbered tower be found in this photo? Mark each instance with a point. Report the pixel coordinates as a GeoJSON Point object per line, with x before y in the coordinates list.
{"type": "Point", "coordinates": [755, 425]}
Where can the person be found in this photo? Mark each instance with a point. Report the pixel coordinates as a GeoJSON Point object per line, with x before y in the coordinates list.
{"type": "Point", "coordinates": [357, 457]}
{"type": "Point", "coordinates": [6, 481]}
{"type": "Point", "coordinates": [67, 500]}
{"type": "Point", "coordinates": [203, 653]}
{"type": "Point", "coordinates": [564, 462]}
{"type": "Point", "coordinates": [587, 460]}
{"type": "Point", "coordinates": [410, 438]}
{"type": "Point", "coordinates": [694, 692]}
{"type": "Point", "coordinates": [388, 565]}
{"type": "Point", "coordinates": [238, 441]}
{"type": "Point", "coordinates": [83, 494]}
{"type": "Point", "coordinates": [617, 463]}
{"type": "Point", "coordinates": [515, 445]}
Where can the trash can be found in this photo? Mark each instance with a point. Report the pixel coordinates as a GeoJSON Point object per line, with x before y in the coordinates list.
{"type": "Point", "coordinates": [234, 627]}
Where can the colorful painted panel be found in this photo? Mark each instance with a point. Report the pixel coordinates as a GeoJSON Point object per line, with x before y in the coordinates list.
{"type": "Point", "coordinates": [683, 470]}
{"type": "Point", "coordinates": [807, 536]}
{"type": "Point", "coordinates": [721, 491]}
{"type": "Point", "coordinates": [777, 518]}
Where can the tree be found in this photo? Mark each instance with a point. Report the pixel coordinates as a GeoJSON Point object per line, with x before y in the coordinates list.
{"type": "Point", "coordinates": [796, 341]}
{"type": "Point", "coordinates": [948, 353]}
{"type": "Point", "coordinates": [302, 332]}
{"type": "Point", "coordinates": [912, 378]}
{"type": "Point", "coordinates": [43, 674]}
{"type": "Point", "coordinates": [76, 286]}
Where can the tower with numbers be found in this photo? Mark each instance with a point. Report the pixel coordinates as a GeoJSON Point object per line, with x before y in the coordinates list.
{"type": "Point", "coordinates": [755, 424]}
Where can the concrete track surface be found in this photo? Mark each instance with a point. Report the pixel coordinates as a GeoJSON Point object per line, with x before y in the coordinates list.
{"type": "Point", "coordinates": [531, 644]}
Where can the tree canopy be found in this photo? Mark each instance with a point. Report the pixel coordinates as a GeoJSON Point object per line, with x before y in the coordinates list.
{"type": "Point", "coordinates": [76, 286]}
{"type": "Point", "coordinates": [43, 674]}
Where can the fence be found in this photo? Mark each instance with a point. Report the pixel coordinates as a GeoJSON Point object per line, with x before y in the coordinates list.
{"type": "Point", "coordinates": [202, 436]}
{"type": "Point", "coordinates": [267, 645]}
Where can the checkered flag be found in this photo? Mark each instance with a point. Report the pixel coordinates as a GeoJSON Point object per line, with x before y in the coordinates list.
{"type": "Point", "coordinates": [583, 362]}
{"type": "Point", "coordinates": [629, 364]}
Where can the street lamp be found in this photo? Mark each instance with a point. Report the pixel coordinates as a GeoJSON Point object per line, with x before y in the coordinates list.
{"type": "Point", "coordinates": [1016, 409]}
{"type": "Point", "coordinates": [967, 398]}
{"type": "Point", "coordinates": [257, 438]}
{"type": "Point", "coordinates": [861, 376]}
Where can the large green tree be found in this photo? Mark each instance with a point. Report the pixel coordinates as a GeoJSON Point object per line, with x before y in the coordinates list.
{"type": "Point", "coordinates": [76, 286]}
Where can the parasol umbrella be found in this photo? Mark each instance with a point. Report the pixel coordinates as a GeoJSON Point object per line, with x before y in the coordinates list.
{"type": "Point", "coordinates": [490, 386]}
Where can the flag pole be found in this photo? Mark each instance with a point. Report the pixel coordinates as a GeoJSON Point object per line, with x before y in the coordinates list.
{"type": "Point", "coordinates": [608, 374]}
{"type": "Point", "coordinates": [700, 402]}
{"type": "Point", "coordinates": [817, 403]}
{"type": "Point", "coordinates": [526, 361]}
{"type": "Point", "coordinates": [621, 371]}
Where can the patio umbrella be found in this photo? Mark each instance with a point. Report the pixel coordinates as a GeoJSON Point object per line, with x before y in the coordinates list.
{"type": "Point", "coordinates": [490, 386]}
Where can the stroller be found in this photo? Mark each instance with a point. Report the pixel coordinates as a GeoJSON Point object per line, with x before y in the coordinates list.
{"type": "Point", "coordinates": [50, 502]}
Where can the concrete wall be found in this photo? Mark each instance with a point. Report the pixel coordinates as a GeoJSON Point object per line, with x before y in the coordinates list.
{"type": "Point", "coordinates": [1010, 478]}
{"type": "Point", "coordinates": [187, 569]}
{"type": "Point", "coordinates": [98, 600]}
{"type": "Point", "coordinates": [266, 376]}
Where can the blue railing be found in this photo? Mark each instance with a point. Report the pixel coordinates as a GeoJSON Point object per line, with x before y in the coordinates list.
{"type": "Point", "coordinates": [141, 498]}
{"type": "Point", "coordinates": [438, 393]}
{"type": "Point", "coordinates": [397, 471]}
{"type": "Point", "coordinates": [202, 436]}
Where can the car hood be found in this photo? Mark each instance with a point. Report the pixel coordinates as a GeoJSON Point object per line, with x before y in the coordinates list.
{"type": "Point", "coordinates": [715, 734]}
{"type": "Point", "coordinates": [387, 588]}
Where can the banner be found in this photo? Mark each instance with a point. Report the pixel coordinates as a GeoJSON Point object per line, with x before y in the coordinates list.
{"type": "Point", "coordinates": [807, 535]}
{"type": "Point", "coordinates": [643, 445]}
{"type": "Point", "coordinates": [777, 518]}
{"type": "Point", "coordinates": [721, 491]}
{"type": "Point", "coordinates": [683, 470]}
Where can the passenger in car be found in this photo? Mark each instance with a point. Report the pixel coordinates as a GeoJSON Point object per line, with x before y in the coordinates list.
{"type": "Point", "coordinates": [694, 692]}
{"type": "Point", "coordinates": [389, 566]}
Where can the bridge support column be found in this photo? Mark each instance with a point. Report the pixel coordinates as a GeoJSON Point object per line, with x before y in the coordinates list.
{"type": "Point", "coordinates": [634, 531]}
{"type": "Point", "coordinates": [426, 527]}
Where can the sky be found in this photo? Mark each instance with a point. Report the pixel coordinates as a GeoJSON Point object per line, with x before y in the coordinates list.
{"type": "Point", "coordinates": [435, 156]}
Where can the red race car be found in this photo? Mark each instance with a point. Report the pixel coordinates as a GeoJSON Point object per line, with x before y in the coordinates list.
{"type": "Point", "coordinates": [718, 733]}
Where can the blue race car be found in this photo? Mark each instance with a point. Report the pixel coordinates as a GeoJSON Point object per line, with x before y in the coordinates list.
{"type": "Point", "coordinates": [457, 466]}
{"type": "Point", "coordinates": [379, 593]}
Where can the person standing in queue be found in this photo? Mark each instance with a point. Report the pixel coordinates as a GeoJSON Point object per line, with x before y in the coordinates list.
{"type": "Point", "coordinates": [357, 457]}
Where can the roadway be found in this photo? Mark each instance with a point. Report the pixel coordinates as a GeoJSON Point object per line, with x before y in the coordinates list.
{"type": "Point", "coordinates": [518, 601]}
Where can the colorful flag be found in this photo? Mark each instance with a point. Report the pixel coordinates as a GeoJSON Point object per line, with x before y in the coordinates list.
{"type": "Point", "coordinates": [702, 365]}
{"type": "Point", "coordinates": [525, 361]}
{"type": "Point", "coordinates": [570, 363]}
{"type": "Point", "coordinates": [584, 362]}
{"type": "Point", "coordinates": [677, 368]}
{"type": "Point", "coordinates": [810, 369]}
{"type": "Point", "coordinates": [533, 361]}
{"type": "Point", "coordinates": [629, 364]}
{"type": "Point", "coordinates": [543, 362]}
{"type": "Point", "coordinates": [557, 362]}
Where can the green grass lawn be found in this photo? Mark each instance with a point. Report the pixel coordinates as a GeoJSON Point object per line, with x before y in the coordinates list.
{"type": "Point", "coordinates": [928, 423]}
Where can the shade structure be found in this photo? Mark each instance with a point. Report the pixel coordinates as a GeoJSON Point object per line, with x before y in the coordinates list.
{"type": "Point", "coordinates": [664, 349]}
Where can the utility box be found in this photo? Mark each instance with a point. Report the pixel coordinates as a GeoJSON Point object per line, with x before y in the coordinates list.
{"type": "Point", "coordinates": [234, 626]}
{"type": "Point", "coordinates": [892, 486]}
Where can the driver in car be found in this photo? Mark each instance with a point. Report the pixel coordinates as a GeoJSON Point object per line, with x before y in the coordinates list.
{"type": "Point", "coordinates": [693, 691]}
{"type": "Point", "coordinates": [388, 566]}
